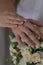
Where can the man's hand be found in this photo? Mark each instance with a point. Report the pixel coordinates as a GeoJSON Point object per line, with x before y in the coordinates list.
{"type": "Point", "coordinates": [10, 19]}
{"type": "Point", "coordinates": [28, 32]}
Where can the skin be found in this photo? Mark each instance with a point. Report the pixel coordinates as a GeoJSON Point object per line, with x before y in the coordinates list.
{"type": "Point", "coordinates": [20, 26]}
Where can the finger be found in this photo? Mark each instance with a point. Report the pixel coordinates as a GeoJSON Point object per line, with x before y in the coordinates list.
{"type": "Point", "coordinates": [26, 39]}
{"type": "Point", "coordinates": [19, 41]}
{"type": "Point", "coordinates": [15, 17]}
{"type": "Point", "coordinates": [9, 25]}
{"type": "Point", "coordinates": [29, 34]}
{"type": "Point", "coordinates": [14, 22]}
{"type": "Point", "coordinates": [33, 28]}
{"type": "Point", "coordinates": [35, 22]}
{"type": "Point", "coordinates": [18, 17]}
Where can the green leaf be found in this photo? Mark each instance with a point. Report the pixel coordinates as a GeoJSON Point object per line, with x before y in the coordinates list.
{"type": "Point", "coordinates": [40, 40]}
{"type": "Point", "coordinates": [40, 49]}
{"type": "Point", "coordinates": [17, 49]}
{"type": "Point", "coordinates": [15, 54]}
{"type": "Point", "coordinates": [19, 57]}
{"type": "Point", "coordinates": [35, 50]}
{"type": "Point", "coordinates": [14, 44]}
{"type": "Point", "coordinates": [30, 50]}
{"type": "Point", "coordinates": [30, 63]}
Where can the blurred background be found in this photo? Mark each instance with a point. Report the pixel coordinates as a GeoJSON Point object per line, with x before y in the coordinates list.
{"type": "Point", "coordinates": [4, 46]}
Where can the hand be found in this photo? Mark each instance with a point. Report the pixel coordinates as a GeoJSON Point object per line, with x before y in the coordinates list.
{"type": "Point", "coordinates": [27, 32]}
{"type": "Point", "coordinates": [10, 19]}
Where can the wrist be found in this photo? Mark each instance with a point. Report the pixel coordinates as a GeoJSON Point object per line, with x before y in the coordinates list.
{"type": "Point", "coordinates": [7, 5]}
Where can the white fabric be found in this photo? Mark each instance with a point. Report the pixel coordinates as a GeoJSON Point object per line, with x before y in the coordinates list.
{"type": "Point", "coordinates": [31, 9]}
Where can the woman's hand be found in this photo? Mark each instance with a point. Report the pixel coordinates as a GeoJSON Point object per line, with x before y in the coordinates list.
{"type": "Point", "coordinates": [10, 19]}
{"type": "Point", "coordinates": [28, 32]}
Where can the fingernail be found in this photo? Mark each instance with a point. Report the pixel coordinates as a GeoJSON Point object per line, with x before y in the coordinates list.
{"type": "Point", "coordinates": [32, 46]}
{"type": "Point", "coordinates": [38, 43]}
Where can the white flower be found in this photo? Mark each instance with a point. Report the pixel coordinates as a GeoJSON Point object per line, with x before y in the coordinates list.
{"type": "Point", "coordinates": [39, 64]}
{"type": "Point", "coordinates": [14, 62]}
{"type": "Point", "coordinates": [42, 60]}
{"type": "Point", "coordinates": [18, 46]}
{"type": "Point", "coordinates": [22, 62]}
{"type": "Point", "coordinates": [35, 57]}
{"type": "Point", "coordinates": [14, 51]}
{"type": "Point", "coordinates": [41, 53]}
{"type": "Point", "coordinates": [13, 58]}
{"type": "Point", "coordinates": [11, 53]}
{"type": "Point", "coordinates": [41, 44]}
{"type": "Point", "coordinates": [26, 55]}
{"type": "Point", "coordinates": [12, 39]}
{"type": "Point", "coordinates": [37, 46]}
{"type": "Point", "coordinates": [11, 49]}
{"type": "Point", "coordinates": [24, 51]}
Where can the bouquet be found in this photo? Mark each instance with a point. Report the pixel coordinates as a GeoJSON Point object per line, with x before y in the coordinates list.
{"type": "Point", "coordinates": [27, 55]}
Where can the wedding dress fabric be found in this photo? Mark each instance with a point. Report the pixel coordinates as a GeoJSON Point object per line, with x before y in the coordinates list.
{"type": "Point", "coordinates": [31, 9]}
